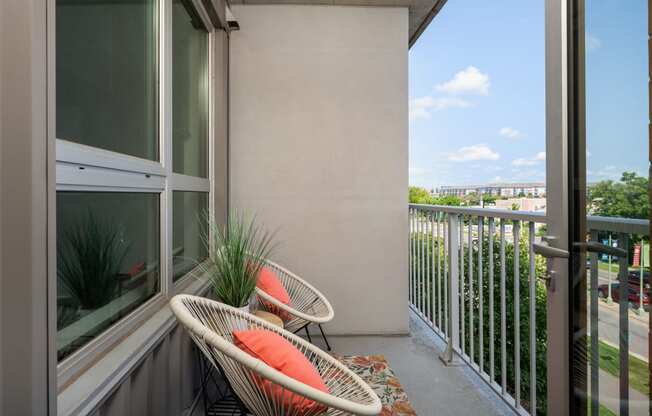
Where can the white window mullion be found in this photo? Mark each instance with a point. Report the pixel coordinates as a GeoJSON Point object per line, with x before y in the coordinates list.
{"type": "Point", "coordinates": [77, 177]}
{"type": "Point", "coordinates": [178, 182]}
{"type": "Point", "coordinates": [79, 154]}
{"type": "Point", "coordinates": [212, 72]}
{"type": "Point", "coordinates": [165, 120]}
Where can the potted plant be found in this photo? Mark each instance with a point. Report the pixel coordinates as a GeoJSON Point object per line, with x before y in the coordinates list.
{"type": "Point", "coordinates": [236, 254]}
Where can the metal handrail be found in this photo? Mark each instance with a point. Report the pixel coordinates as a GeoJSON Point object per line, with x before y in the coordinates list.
{"type": "Point", "coordinates": [594, 222]}
{"type": "Point", "coordinates": [446, 270]}
{"type": "Point", "coordinates": [539, 217]}
{"type": "Point", "coordinates": [619, 225]}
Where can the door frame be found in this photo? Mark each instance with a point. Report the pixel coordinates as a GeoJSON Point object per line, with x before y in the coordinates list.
{"type": "Point", "coordinates": [557, 203]}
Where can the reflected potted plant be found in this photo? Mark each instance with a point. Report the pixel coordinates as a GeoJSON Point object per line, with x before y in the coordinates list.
{"type": "Point", "coordinates": [237, 252]}
{"type": "Point", "coordinates": [89, 257]}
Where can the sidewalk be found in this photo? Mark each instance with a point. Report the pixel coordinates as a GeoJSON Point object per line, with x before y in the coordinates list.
{"type": "Point", "coordinates": [643, 317]}
{"type": "Point", "coordinates": [609, 329]}
{"type": "Point", "coordinates": [610, 396]}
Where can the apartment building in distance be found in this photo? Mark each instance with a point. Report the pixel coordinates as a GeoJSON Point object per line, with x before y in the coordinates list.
{"type": "Point", "coordinates": [535, 189]}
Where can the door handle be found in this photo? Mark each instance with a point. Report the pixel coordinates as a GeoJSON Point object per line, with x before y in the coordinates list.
{"type": "Point", "coordinates": [546, 250]}
{"type": "Point", "coordinates": [595, 247]}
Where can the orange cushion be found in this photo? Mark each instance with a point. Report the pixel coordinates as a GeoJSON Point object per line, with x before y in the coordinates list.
{"type": "Point", "coordinates": [280, 354]}
{"type": "Point", "coordinates": [269, 283]}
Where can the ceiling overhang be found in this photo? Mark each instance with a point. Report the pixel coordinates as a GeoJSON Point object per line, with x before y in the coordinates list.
{"type": "Point", "coordinates": [421, 12]}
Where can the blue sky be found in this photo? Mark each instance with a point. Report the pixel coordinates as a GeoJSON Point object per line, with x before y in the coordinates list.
{"type": "Point", "coordinates": [477, 93]}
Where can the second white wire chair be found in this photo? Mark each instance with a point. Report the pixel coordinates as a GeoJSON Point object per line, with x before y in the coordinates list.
{"type": "Point", "coordinates": [307, 304]}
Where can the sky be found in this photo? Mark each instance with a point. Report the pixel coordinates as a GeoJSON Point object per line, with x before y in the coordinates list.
{"type": "Point", "coordinates": [477, 93]}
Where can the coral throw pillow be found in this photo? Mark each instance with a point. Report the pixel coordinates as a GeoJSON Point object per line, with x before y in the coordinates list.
{"type": "Point", "coordinates": [269, 283]}
{"type": "Point", "coordinates": [280, 354]}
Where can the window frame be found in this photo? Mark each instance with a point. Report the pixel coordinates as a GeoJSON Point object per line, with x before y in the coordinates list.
{"type": "Point", "coordinates": [84, 168]}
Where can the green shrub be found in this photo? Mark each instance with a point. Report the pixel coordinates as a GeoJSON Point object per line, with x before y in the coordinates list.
{"type": "Point", "coordinates": [430, 259]}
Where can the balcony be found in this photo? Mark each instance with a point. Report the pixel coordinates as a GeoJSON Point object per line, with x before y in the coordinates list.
{"type": "Point", "coordinates": [458, 360]}
{"type": "Point", "coordinates": [472, 350]}
{"type": "Point", "coordinates": [297, 112]}
{"type": "Point", "coordinates": [456, 251]}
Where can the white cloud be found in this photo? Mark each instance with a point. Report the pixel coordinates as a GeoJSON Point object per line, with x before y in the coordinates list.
{"type": "Point", "coordinates": [474, 152]}
{"type": "Point", "coordinates": [607, 172]}
{"type": "Point", "coordinates": [527, 175]}
{"type": "Point", "coordinates": [423, 107]}
{"type": "Point", "coordinates": [530, 161]}
{"type": "Point", "coordinates": [418, 171]}
{"type": "Point", "coordinates": [510, 133]}
{"type": "Point", "coordinates": [466, 81]}
{"type": "Point", "coordinates": [592, 43]}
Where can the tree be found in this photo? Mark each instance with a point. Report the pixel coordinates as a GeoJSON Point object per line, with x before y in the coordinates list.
{"type": "Point", "coordinates": [425, 261]}
{"type": "Point", "coordinates": [447, 200]}
{"type": "Point", "coordinates": [627, 198]}
{"type": "Point", "coordinates": [419, 195]}
{"type": "Point", "coordinates": [472, 199]}
{"type": "Point", "coordinates": [489, 199]}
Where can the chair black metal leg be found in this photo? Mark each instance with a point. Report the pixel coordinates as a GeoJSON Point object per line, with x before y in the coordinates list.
{"type": "Point", "coordinates": [207, 374]}
{"type": "Point", "coordinates": [202, 378]}
{"type": "Point", "coordinates": [308, 334]}
{"type": "Point", "coordinates": [328, 346]}
{"type": "Point", "coordinates": [242, 407]}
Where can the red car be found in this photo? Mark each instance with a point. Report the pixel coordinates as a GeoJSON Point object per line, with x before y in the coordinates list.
{"type": "Point", "coordinates": [633, 294]}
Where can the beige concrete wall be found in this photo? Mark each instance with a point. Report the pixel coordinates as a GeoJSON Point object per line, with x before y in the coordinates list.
{"type": "Point", "coordinates": [319, 150]}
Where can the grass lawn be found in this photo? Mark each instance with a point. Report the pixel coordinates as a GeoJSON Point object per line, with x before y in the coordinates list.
{"type": "Point", "coordinates": [604, 411]}
{"type": "Point", "coordinates": [604, 266]}
{"type": "Point", "coordinates": [638, 369]}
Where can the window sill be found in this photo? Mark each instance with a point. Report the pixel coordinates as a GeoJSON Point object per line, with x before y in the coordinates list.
{"type": "Point", "coordinates": [92, 387]}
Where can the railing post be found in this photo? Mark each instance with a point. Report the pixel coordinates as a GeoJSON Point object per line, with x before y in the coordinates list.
{"type": "Point", "coordinates": [623, 307]}
{"type": "Point", "coordinates": [450, 357]}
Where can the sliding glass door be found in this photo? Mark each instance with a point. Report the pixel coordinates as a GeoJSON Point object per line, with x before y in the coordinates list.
{"type": "Point", "coordinates": [598, 207]}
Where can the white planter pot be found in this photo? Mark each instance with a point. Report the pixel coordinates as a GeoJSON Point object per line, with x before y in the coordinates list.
{"type": "Point", "coordinates": [246, 308]}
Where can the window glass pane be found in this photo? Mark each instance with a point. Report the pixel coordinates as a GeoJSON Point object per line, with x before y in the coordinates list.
{"type": "Point", "coordinates": [106, 75]}
{"type": "Point", "coordinates": [107, 261]}
{"type": "Point", "coordinates": [188, 227]}
{"type": "Point", "coordinates": [189, 94]}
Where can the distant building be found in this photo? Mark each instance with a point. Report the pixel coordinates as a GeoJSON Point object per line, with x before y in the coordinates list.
{"type": "Point", "coordinates": [534, 189]}
{"type": "Point", "coordinates": [523, 204]}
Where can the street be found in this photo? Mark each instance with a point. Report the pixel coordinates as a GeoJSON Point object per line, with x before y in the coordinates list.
{"type": "Point", "coordinates": [609, 331]}
{"type": "Point", "coordinates": [608, 323]}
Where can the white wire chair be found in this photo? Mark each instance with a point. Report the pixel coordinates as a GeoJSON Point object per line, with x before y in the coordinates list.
{"type": "Point", "coordinates": [307, 304]}
{"type": "Point", "coordinates": [211, 325]}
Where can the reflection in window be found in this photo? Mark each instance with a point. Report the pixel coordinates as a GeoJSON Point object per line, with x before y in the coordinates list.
{"type": "Point", "coordinates": [107, 261]}
{"type": "Point", "coordinates": [106, 75]}
{"type": "Point", "coordinates": [188, 228]}
{"type": "Point", "coordinates": [189, 92]}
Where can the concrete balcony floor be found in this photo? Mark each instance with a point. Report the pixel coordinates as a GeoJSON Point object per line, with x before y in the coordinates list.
{"type": "Point", "coordinates": [433, 389]}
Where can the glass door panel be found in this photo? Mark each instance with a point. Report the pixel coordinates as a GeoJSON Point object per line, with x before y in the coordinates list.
{"type": "Point", "coordinates": [608, 139]}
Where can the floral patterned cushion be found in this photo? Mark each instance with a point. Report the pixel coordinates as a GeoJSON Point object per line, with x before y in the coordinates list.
{"type": "Point", "coordinates": [376, 372]}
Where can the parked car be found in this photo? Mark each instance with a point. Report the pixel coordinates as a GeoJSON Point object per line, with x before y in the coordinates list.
{"type": "Point", "coordinates": [633, 294]}
{"type": "Point", "coordinates": [634, 278]}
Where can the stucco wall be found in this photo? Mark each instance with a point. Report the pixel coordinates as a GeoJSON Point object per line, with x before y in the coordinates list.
{"type": "Point", "coordinates": [319, 150]}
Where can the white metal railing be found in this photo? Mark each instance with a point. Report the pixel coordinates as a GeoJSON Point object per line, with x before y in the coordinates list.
{"type": "Point", "coordinates": [623, 229]}
{"type": "Point", "coordinates": [467, 284]}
